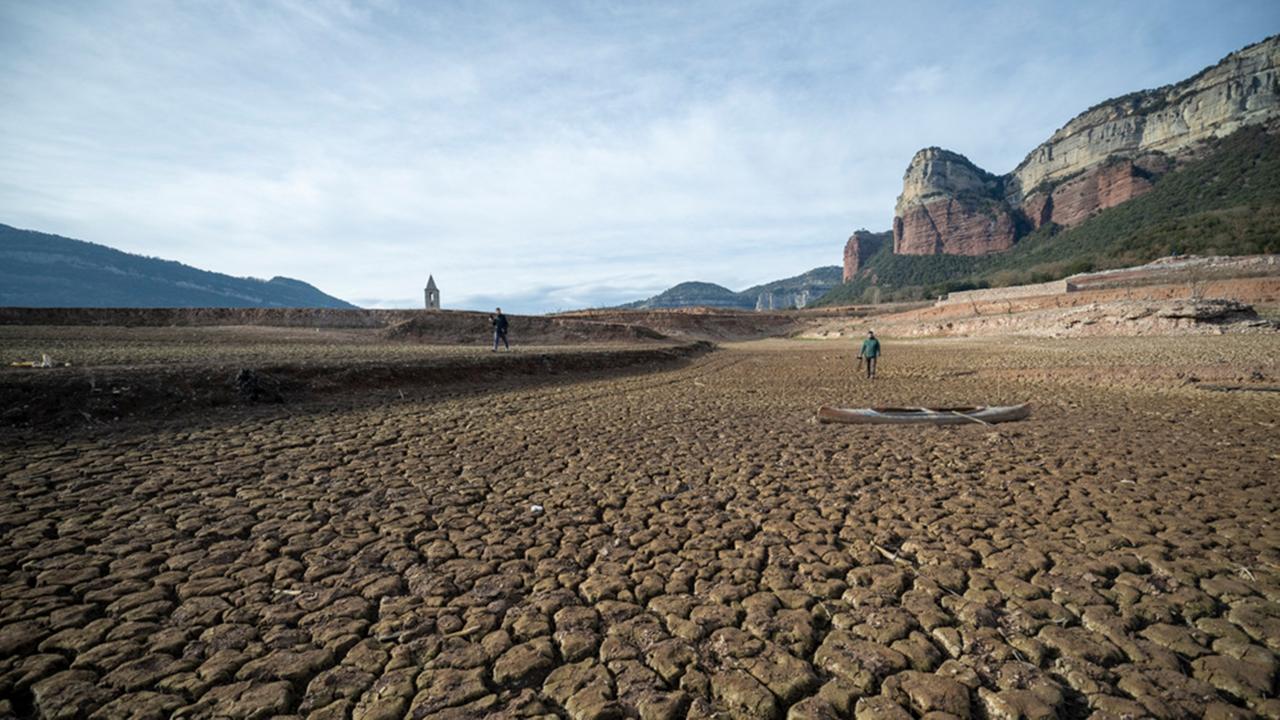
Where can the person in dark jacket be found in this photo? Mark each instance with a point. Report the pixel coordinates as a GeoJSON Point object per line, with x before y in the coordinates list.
{"type": "Point", "coordinates": [870, 352]}
{"type": "Point", "coordinates": [499, 323]}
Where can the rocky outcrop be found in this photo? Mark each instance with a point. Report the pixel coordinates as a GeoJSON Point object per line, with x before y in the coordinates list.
{"type": "Point", "coordinates": [1131, 318]}
{"type": "Point", "coordinates": [1104, 157]}
{"type": "Point", "coordinates": [954, 227]}
{"type": "Point", "coordinates": [1104, 186]}
{"type": "Point", "coordinates": [950, 206]}
{"type": "Point", "coordinates": [785, 300]}
{"type": "Point", "coordinates": [1242, 89]}
{"type": "Point", "coordinates": [861, 245]}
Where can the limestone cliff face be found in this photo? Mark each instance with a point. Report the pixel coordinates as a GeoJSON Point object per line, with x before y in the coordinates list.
{"type": "Point", "coordinates": [785, 300]}
{"type": "Point", "coordinates": [794, 292]}
{"type": "Point", "coordinates": [1242, 89]}
{"type": "Point", "coordinates": [1105, 156]}
{"type": "Point", "coordinates": [861, 245]}
{"type": "Point", "coordinates": [950, 206]}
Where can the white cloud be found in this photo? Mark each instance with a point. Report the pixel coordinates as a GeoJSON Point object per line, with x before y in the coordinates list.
{"type": "Point", "coordinates": [916, 81]}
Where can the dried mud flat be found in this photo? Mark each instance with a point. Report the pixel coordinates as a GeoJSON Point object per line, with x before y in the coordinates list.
{"type": "Point", "coordinates": [699, 547]}
{"type": "Point", "coordinates": [108, 374]}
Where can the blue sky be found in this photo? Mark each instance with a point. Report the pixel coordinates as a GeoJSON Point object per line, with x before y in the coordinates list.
{"type": "Point", "coordinates": [541, 155]}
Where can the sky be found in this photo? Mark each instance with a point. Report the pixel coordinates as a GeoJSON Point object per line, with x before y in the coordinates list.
{"type": "Point", "coordinates": [541, 156]}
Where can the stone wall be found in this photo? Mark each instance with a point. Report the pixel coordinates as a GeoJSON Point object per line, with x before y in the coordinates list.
{"type": "Point", "coordinates": [1056, 287]}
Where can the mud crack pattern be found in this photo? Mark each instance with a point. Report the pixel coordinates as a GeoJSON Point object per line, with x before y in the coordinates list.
{"type": "Point", "coordinates": [699, 547]}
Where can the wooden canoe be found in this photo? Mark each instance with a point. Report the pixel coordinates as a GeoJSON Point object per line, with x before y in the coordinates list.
{"type": "Point", "coordinates": [975, 415]}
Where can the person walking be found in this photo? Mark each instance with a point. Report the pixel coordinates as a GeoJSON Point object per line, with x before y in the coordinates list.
{"type": "Point", "coordinates": [499, 323]}
{"type": "Point", "coordinates": [870, 352]}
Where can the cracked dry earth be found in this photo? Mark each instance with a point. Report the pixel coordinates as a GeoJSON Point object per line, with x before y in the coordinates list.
{"type": "Point", "coordinates": [704, 549]}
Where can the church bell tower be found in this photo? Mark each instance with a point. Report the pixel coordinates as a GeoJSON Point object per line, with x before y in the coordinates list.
{"type": "Point", "coordinates": [433, 294]}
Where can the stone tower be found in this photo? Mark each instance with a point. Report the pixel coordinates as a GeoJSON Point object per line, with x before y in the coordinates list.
{"type": "Point", "coordinates": [433, 294]}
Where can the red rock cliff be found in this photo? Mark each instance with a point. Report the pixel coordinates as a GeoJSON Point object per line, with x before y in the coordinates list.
{"type": "Point", "coordinates": [950, 206]}
{"type": "Point", "coordinates": [952, 227]}
{"type": "Point", "coordinates": [1099, 188]}
{"type": "Point", "coordinates": [861, 245]}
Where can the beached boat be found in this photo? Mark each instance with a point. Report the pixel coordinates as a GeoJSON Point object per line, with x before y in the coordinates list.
{"type": "Point", "coordinates": [978, 415]}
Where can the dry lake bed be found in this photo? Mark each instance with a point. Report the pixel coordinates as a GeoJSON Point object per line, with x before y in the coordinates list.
{"type": "Point", "coordinates": [682, 541]}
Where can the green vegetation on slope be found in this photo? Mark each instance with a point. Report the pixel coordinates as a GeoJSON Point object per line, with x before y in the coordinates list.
{"type": "Point", "coordinates": [691, 294]}
{"type": "Point", "coordinates": [702, 294]}
{"type": "Point", "coordinates": [42, 270]}
{"type": "Point", "coordinates": [816, 281]}
{"type": "Point", "coordinates": [1225, 203]}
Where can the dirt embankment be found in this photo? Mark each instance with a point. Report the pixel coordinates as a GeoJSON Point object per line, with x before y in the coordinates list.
{"type": "Point", "coordinates": [700, 323]}
{"type": "Point", "coordinates": [1209, 308]}
{"type": "Point", "coordinates": [440, 327]}
{"type": "Point", "coordinates": [737, 325]}
{"type": "Point", "coordinates": [64, 397]}
{"type": "Point", "coordinates": [1122, 318]}
{"type": "Point", "coordinates": [1187, 269]}
{"type": "Point", "coordinates": [472, 328]}
{"type": "Point", "coordinates": [1252, 291]}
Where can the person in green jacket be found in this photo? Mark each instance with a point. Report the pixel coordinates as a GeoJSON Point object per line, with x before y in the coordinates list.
{"type": "Point", "coordinates": [870, 351]}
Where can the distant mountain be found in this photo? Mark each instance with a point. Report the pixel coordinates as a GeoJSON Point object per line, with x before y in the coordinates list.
{"type": "Point", "coordinates": [793, 292]}
{"type": "Point", "coordinates": [692, 294]}
{"type": "Point", "coordinates": [42, 270]}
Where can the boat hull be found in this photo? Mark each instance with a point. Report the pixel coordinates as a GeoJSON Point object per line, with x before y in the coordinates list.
{"type": "Point", "coordinates": [981, 415]}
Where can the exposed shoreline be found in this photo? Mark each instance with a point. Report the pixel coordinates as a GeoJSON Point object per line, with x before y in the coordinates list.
{"type": "Point", "coordinates": [63, 397]}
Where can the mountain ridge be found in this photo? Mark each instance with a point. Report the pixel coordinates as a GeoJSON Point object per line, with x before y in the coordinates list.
{"type": "Point", "coordinates": [40, 269]}
{"type": "Point", "coordinates": [792, 292]}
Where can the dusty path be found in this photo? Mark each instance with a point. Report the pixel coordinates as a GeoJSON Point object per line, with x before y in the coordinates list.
{"type": "Point", "coordinates": [701, 548]}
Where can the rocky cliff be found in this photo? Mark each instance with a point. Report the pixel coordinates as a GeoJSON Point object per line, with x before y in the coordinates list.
{"type": "Point", "coordinates": [1103, 157]}
{"type": "Point", "coordinates": [860, 246]}
{"type": "Point", "coordinates": [950, 206]}
{"type": "Point", "coordinates": [1114, 181]}
{"type": "Point", "coordinates": [1242, 89]}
